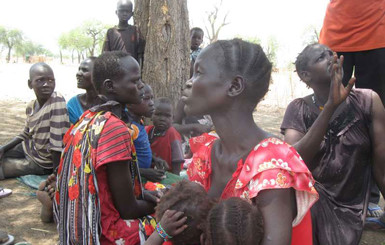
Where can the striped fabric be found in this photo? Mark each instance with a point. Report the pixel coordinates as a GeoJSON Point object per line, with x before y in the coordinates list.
{"type": "Point", "coordinates": [83, 205]}
{"type": "Point", "coordinates": [44, 129]}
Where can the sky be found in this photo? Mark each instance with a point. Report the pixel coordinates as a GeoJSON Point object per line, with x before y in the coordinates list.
{"type": "Point", "coordinates": [43, 21]}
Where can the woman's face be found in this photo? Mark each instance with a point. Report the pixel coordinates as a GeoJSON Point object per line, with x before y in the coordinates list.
{"type": "Point", "coordinates": [205, 92]}
{"type": "Point", "coordinates": [319, 65]}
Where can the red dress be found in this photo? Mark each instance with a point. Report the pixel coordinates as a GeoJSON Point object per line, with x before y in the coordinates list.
{"type": "Point", "coordinates": [272, 164]}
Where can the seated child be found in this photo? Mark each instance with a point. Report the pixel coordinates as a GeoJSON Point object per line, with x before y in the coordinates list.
{"type": "Point", "coordinates": [182, 214]}
{"type": "Point", "coordinates": [234, 222]}
{"type": "Point", "coordinates": [186, 215]}
{"type": "Point", "coordinates": [141, 142]}
{"type": "Point", "coordinates": [37, 149]}
{"type": "Point", "coordinates": [98, 196]}
{"type": "Point", "coordinates": [164, 139]}
{"type": "Point", "coordinates": [82, 102]}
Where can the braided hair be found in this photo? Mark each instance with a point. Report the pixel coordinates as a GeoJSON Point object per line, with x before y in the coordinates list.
{"type": "Point", "coordinates": [234, 221]}
{"type": "Point", "coordinates": [191, 199]}
{"type": "Point", "coordinates": [249, 61]}
{"type": "Point", "coordinates": [107, 66]}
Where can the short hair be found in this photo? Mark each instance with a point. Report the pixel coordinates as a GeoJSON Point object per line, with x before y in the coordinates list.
{"type": "Point", "coordinates": [107, 66]}
{"type": "Point", "coordinates": [121, 1]}
{"type": "Point", "coordinates": [303, 58]}
{"type": "Point", "coordinates": [197, 29]}
{"type": "Point", "coordinates": [92, 58]}
{"type": "Point", "coordinates": [191, 199]}
{"type": "Point", "coordinates": [248, 60]}
{"type": "Point", "coordinates": [163, 100]}
{"type": "Point", "coordinates": [234, 221]}
{"type": "Point", "coordinates": [45, 65]}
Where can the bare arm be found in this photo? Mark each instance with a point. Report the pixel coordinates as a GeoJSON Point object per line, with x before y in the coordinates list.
{"type": "Point", "coordinates": [187, 129]}
{"type": "Point", "coordinates": [119, 181]}
{"type": "Point", "coordinates": [378, 141]}
{"type": "Point", "coordinates": [278, 208]}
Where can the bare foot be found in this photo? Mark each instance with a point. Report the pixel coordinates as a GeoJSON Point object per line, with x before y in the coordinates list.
{"type": "Point", "coordinates": [45, 194]}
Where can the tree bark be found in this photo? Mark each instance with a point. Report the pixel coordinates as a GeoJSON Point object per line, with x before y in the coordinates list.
{"type": "Point", "coordinates": [165, 26]}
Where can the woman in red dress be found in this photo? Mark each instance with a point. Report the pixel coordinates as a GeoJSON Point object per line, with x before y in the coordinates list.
{"type": "Point", "coordinates": [242, 160]}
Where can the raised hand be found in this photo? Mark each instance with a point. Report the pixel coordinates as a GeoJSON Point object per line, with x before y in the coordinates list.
{"type": "Point", "coordinates": [338, 93]}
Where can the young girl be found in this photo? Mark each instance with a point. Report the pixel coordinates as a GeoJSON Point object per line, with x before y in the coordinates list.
{"type": "Point", "coordinates": [230, 78]}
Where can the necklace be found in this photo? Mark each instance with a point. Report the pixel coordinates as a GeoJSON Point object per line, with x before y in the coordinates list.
{"type": "Point", "coordinates": [313, 99]}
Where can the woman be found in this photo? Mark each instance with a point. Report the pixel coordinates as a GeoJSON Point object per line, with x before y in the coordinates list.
{"type": "Point", "coordinates": [230, 78]}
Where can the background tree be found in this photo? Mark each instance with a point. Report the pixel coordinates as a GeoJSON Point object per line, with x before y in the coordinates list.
{"type": "Point", "coordinates": [215, 23]}
{"type": "Point", "coordinates": [270, 46]}
{"type": "Point", "coordinates": [165, 26]}
{"type": "Point", "coordinates": [95, 31]}
{"type": "Point", "coordinates": [11, 38]}
{"type": "Point", "coordinates": [310, 35]}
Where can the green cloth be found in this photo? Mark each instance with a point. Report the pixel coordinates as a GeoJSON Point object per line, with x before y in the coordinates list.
{"type": "Point", "coordinates": [32, 181]}
{"type": "Point", "coordinates": [169, 180]}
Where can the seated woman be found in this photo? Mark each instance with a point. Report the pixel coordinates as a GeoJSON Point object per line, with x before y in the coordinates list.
{"type": "Point", "coordinates": [98, 194]}
{"type": "Point", "coordinates": [82, 102]}
{"type": "Point", "coordinates": [230, 78]}
{"type": "Point", "coordinates": [353, 148]}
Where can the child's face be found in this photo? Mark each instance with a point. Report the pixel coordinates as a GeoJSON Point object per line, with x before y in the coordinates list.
{"type": "Point", "coordinates": [128, 88]}
{"type": "Point", "coordinates": [42, 81]}
{"type": "Point", "coordinates": [162, 117]}
{"type": "Point", "coordinates": [146, 108]}
{"type": "Point", "coordinates": [124, 11]}
{"type": "Point", "coordinates": [196, 39]}
{"type": "Point", "coordinates": [84, 74]}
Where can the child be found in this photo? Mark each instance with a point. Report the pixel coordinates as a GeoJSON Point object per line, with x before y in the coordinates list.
{"type": "Point", "coordinates": [125, 37]}
{"type": "Point", "coordinates": [37, 150]}
{"type": "Point", "coordinates": [98, 175]}
{"type": "Point", "coordinates": [182, 213]}
{"type": "Point", "coordinates": [165, 140]}
{"type": "Point", "coordinates": [234, 222]}
{"type": "Point", "coordinates": [188, 216]}
{"type": "Point", "coordinates": [82, 102]}
{"type": "Point", "coordinates": [196, 37]}
{"type": "Point", "coordinates": [138, 112]}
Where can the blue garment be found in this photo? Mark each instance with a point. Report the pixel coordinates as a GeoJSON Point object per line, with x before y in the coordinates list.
{"type": "Point", "coordinates": [142, 146]}
{"type": "Point", "coordinates": [75, 109]}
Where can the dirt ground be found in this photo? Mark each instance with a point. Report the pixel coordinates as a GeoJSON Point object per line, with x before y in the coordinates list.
{"type": "Point", "coordinates": [20, 211]}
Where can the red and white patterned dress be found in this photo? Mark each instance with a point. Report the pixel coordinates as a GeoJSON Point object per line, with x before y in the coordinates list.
{"type": "Point", "coordinates": [272, 164]}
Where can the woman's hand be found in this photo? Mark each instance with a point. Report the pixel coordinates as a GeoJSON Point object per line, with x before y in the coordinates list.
{"type": "Point", "coordinates": [152, 196]}
{"type": "Point", "coordinates": [338, 93]}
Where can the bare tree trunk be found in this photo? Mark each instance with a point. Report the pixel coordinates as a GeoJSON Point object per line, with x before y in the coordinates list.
{"type": "Point", "coordinates": [165, 26]}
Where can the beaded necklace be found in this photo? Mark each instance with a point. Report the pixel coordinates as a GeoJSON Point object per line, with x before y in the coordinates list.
{"type": "Point", "coordinates": [313, 99]}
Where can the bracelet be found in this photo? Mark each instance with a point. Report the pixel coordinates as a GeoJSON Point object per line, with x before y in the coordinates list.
{"type": "Point", "coordinates": [162, 233]}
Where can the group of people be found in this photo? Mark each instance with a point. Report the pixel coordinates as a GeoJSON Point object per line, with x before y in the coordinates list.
{"type": "Point", "coordinates": [245, 185]}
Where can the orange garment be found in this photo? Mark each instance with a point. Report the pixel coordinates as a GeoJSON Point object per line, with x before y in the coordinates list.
{"type": "Point", "coordinates": [354, 25]}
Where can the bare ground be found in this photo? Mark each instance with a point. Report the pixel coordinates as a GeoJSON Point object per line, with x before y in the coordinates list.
{"type": "Point", "coordinates": [20, 211]}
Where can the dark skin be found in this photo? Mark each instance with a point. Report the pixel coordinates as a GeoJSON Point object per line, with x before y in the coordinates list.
{"type": "Point", "coordinates": [83, 76]}
{"type": "Point", "coordinates": [42, 81]}
{"type": "Point", "coordinates": [196, 39]}
{"type": "Point", "coordinates": [124, 13]}
{"type": "Point", "coordinates": [219, 94]}
{"type": "Point", "coordinates": [146, 109]}
{"type": "Point", "coordinates": [316, 76]}
{"type": "Point", "coordinates": [127, 89]}
{"type": "Point", "coordinates": [162, 120]}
